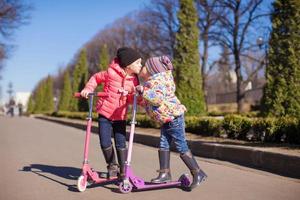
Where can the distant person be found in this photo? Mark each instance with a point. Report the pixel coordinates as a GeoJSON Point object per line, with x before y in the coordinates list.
{"type": "Point", "coordinates": [11, 107]}
{"type": "Point", "coordinates": [119, 82]}
{"type": "Point", "coordinates": [163, 106]}
{"type": "Point", "coordinates": [2, 110]}
{"type": "Point", "coordinates": [20, 107]}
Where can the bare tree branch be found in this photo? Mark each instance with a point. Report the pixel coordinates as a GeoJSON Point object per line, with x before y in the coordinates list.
{"type": "Point", "coordinates": [235, 27]}
{"type": "Point", "coordinates": [13, 14]}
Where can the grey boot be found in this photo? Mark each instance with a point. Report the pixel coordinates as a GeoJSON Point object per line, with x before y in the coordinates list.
{"type": "Point", "coordinates": [122, 156]}
{"type": "Point", "coordinates": [112, 167]}
{"type": "Point", "coordinates": [191, 163]}
{"type": "Point", "coordinates": [164, 171]}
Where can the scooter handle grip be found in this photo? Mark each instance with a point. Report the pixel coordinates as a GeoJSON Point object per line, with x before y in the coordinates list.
{"type": "Point", "coordinates": [97, 94]}
{"type": "Point", "coordinates": [77, 95]}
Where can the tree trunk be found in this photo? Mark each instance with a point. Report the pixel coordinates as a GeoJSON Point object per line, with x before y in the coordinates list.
{"type": "Point", "coordinates": [236, 51]}
{"type": "Point", "coordinates": [239, 96]}
{"type": "Point", "coordinates": [203, 66]}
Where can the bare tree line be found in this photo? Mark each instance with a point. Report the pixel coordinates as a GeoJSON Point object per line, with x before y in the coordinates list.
{"type": "Point", "coordinates": [230, 27]}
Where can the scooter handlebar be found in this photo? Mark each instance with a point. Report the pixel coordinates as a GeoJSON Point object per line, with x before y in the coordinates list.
{"type": "Point", "coordinates": [97, 94]}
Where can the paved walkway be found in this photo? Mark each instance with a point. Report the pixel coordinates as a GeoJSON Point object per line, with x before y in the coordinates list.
{"type": "Point", "coordinates": [279, 159]}
{"type": "Point", "coordinates": [42, 160]}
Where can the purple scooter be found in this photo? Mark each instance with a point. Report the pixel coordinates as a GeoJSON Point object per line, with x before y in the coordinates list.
{"type": "Point", "coordinates": [132, 182]}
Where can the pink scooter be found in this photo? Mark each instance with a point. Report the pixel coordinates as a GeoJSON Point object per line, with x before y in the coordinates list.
{"type": "Point", "coordinates": [132, 182]}
{"type": "Point", "coordinates": [89, 175]}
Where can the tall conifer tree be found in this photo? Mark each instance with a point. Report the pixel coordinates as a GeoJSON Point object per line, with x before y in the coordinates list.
{"type": "Point", "coordinates": [48, 103]}
{"type": "Point", "coordinates": [282, 90]}
{"type": "Point", "coordinates": [103, 58]}
{"type": "Point", "coordinates": [39, 97]}
{"type": "Point", "coordinates": [66, 93]}
{"type": "Point", "coordinates": [187, 60]}
{"type": "Point", "coordinates": [80, 76]}
{"type": "Point", "coordinates": [103, 63]}
{"type": "Point", "coordinates": [30, 105]}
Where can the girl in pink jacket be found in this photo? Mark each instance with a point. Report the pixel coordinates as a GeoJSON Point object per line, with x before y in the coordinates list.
{"type": "Point", "coordinates": [119, 82]}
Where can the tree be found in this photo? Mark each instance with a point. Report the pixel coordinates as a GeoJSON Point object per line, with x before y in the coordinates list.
{"type": "Point", "coordinates": [13, 14]}
{"type": "Point", "coordinates": [209, 13]}
{"type": "Point", "coordinates": [186, 60]}
{"type": "Point", "coordinates": [10, 90]}
{"type": "Point", "coordinates": [224, 69]}
{"type": "Point", "coordinates": [30, 106]}
{"type": "Point", "coordinates": [103, 64]}
{"type": "Point", "coordinates": [151, 31]}
{"type": "Point", "coordinates": [80, 76]}
{"type": "Point", "coordinates": [39, 97]}
{"type": "Point", "coordinates": [158, 27]}
{"type": "Point", "coordinates": [48, 103]}
{"type": "Point", "coordinates": [241, 17]}
{"type": "Point", "coordinates": [66, 93]}
{"type": "Point", "coordinates": [281, 92]}
{"type": "Point", "coordinates": [103, 58]}
{"type": "Point", "coordinates": [43, 98]}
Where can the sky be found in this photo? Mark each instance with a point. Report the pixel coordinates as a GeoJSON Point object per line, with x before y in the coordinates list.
{"type": "Point", "coordinates": [57, 30]}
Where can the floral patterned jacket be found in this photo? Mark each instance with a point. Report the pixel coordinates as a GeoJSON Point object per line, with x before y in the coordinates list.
{"type": "Point", "coordinates": [159, 98]}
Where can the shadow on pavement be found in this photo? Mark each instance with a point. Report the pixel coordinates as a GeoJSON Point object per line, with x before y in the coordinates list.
{"type": "Point", "coordinates": [70, 173]}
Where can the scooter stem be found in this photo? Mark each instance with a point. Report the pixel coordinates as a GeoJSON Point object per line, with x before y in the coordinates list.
{"type": "Point", "coordinates": [88, 130]}
{"type": "Point", "coordinates": [87, 140]}
{"type": "Point", "coordinates": [132, 127]}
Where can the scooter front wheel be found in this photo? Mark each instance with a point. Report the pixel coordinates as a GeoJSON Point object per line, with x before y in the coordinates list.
{"type": "Point", "coordinates": [184, 180]}
{"type": "Point", "coordinates": [81, 184]}
{"type": "Point", "coordinates": [125, 187]}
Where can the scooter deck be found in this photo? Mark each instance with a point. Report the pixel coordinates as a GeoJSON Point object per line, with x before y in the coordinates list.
{"type": "Point", "coordinates": [149, 185]}
{"type": "Point", "coordinates": [139, 184]}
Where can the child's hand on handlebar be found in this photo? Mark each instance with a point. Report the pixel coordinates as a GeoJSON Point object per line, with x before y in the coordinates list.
{"type": "Point", "coordinates": [84, 93]}
{"type": "Point", "coordinates": [139, 89]}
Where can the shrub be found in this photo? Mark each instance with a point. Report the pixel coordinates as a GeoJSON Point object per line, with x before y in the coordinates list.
{"type": "Point", "coordinates": [143, 121]}
{"type": "Point", "coordinates": [74, 115]}
{"type": "Point", "coordinates": [289, 129]}
{"type": "Point", "coordinates": [283, 129]}
{"type": "Point", "coordinates": [206, 126]}
{"type": "Point", "coordinates": [275, 130]}
{"type": "Point", "coordinates": [236, 126]}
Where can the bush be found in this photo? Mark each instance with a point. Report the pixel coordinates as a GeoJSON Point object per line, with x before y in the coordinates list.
{"type": "Point", "coordinates": [143, 121]}
{"type": "Point", "coordinates": [275, 130]}
{"type": "Point", "coordinates": [74, 115]}
{"type": "Point", "coordinates": [264, 129]}
{"type": "Point", "coordinates": [236, 126]}
{"type": "Point", "coordinates": [206, 126]}
{"type": "Point", "coordinates": [283, 129]}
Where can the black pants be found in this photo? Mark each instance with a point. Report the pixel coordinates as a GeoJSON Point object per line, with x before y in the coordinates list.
{"type": "Point", "coordinates": [107, 127]}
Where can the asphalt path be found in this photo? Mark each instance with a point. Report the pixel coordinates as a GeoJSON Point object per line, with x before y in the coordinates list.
{"type": "Point", "coordinates": [42, 160]}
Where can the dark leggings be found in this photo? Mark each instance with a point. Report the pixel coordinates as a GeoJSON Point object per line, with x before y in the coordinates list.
{"type": "Point", "coordinates": [107, 127]}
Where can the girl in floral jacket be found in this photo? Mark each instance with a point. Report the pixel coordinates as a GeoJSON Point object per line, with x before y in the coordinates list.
{"type": "Point", "coordinates": [119, 82]}
{"type": "Point", "coordinates": [163, 106]}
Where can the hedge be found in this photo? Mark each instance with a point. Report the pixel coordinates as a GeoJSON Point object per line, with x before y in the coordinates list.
{"type": "Point", "coordinates": [275, 130]}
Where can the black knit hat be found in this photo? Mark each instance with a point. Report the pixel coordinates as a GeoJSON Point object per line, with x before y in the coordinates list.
{"type": "Point", "coordinates": [126, 56]}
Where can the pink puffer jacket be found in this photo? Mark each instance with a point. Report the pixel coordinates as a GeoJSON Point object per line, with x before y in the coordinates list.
{"type": "Point", "coordinates": [119, 88]}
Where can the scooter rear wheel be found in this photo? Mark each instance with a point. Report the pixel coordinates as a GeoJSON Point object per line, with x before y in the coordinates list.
{"type": "Point", "coordinates": [125, 187]}
{"type": "Point", "coordinates": [81, 184]}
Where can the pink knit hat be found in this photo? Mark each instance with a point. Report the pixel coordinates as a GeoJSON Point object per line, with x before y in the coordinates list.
{"type": "Point", "coordinates": [158, 64]}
